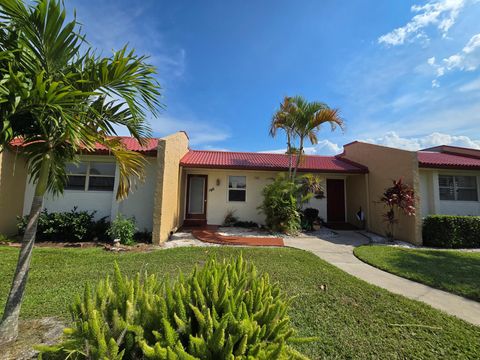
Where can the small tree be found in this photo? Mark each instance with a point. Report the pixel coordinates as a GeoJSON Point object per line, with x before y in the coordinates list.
{"type": "Point", "coordinates": [399, 197]}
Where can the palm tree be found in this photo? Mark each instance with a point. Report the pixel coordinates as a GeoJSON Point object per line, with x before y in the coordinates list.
{"type": "Point", "coordinates": [282, 119]}
{"type": "Point", "coordinates": [60, 98]}
{"type": "Point", "coordinates": [302, 119]}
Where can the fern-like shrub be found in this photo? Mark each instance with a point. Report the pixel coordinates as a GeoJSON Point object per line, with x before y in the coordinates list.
{"type": "Point", "coordinates": [222, 311]}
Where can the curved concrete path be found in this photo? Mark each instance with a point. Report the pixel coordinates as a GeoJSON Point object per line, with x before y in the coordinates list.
{"type": "Point", "coordinates": [339, 252]}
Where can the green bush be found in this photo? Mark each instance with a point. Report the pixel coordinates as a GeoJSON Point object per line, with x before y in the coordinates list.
{"type": "Point", "coordinates": [5, 239]}
{"type": "Point", "coordinates": [124, 229]}
{"type": "Point", "coordinates": [222, 311]}
{"type": "Point", "coordinates": [70, 226]}
{"type": "Point", "coordinates": [144, 236]}
{"type": "Point", "coordinates": [446, 231]}
{"type": "Point", "coordinates": [309, 216]}
{"type": "Point", "coordinates": [280, 205]}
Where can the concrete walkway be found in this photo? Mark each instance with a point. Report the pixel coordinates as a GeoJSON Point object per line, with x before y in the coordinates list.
{"type": "Point", "coordinates": [339, 252]}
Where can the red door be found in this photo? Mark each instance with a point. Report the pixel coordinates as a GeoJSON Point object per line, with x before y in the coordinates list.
{"type": "Point", "coordinates": [335, 200]}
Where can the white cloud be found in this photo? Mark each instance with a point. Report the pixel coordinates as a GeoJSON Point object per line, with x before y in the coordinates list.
{"type": "Point", "coordinates": [441, 13]}
{"type": "Point", "coordinates": [470, 86]}
{"type": "Point", "coordinates": [324, 147]}
{"type": "Point", "coordinates": [200, 132]}
{"type": "Point", "coordinates": [392, 139]}
{"type": "Point", "coordinates": [468, 59]}
{"type": "Point", "coordinates": [109, 27]}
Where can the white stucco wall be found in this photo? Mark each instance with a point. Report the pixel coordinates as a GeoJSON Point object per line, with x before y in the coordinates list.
{"type": "Point", "coordinates": [139, 204]}
{"type": "Point", "coordinates": [99, 201]}
{"type": "Point", "coordinates": [430, 202]}
{"type": "Point", "coordinates": [217, 195]}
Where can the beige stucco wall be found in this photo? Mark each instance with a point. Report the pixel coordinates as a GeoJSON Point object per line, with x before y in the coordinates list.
{"type": "Point", "coordinates": [166, 209]}
{"type": "Point", "coordinates": [13, 177]}
{"type": "Point", "coordinates": [386, 164]}
{"type": "Point", "coordinates": [356, 197]}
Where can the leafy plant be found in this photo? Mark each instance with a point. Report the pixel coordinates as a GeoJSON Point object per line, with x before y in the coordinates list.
{"type": "Point", "coordinates": [5, 238]}
{"type": "Point", "coordinates": [230, 218]}
{"type": "Point", "coordinates": [143, 237]}
{"type": "Point", "coordinates": [399, 197]}
{"type": "Point", "coordinates": [246, 224]}
{"type": "Point", "coordinates": [447, 231]}
{"type": "Point", "coordinates": [70, 226]}
{"type": "Point", "coordinates": [280, 205]}
{"type": "Point", "coordinates": [222, 311]}
{"type": "Point", "coordinates": [124, 229]}
{"type": "Point", "coordinates": [309, 216]}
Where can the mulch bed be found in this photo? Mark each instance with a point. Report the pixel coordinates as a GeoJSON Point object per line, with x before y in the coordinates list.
{"type": "Point", "coordinates": [212, 236]}
{"type": "Point", "coordinates": [140, 247]}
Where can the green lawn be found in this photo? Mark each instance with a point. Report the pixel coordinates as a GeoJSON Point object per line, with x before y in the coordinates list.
{"type": "Point", "coordinates": [454, 271]}
{"type": "Point", "coordinates": [352, 318]}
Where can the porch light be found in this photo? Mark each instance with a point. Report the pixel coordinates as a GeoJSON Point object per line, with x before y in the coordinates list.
{"type": "Point", "coordinates": [218, 182]}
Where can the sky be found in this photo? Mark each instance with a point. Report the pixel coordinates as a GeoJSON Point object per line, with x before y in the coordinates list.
{"type": "Point", "coordinates": [402, 73]}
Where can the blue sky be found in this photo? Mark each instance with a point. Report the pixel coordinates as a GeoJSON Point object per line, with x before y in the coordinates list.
{"type": "Point", "coordinates": [403, 73]}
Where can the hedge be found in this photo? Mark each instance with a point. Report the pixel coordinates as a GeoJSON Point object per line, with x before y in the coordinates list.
{"type": "Point", "coordinates": [453, 232]}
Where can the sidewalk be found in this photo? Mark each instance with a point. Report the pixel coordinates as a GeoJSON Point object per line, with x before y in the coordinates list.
{"type": "Point", "coordinates": [339, 252]}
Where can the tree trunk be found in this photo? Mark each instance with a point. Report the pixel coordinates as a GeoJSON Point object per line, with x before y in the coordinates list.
{"type": "Point", "coordinates": [9, 324]}
{"type": "Point", "coordinates": [290, 156]}
{"type": "Point", "coordinates": [299, 155]}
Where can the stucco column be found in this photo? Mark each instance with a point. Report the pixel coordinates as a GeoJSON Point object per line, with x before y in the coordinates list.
{"type": "Point", "coordinates": [166, 218]}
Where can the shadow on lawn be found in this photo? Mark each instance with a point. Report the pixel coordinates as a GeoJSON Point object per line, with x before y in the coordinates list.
{"type": "Point", "coordinates": [448, 270]}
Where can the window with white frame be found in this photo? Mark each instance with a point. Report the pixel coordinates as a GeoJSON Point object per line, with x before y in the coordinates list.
{"type": "Point", "coordinates": [237, 188]}
{"type": "Point", "coordinates": [90, 176]}
{"type": "Point", "coordinates": [460, 188]}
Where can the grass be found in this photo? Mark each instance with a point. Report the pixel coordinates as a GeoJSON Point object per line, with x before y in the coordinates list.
{"type": "Point", "coordinates": [352, 318]}
{"type": "Point", "coordinates": [457, 272]}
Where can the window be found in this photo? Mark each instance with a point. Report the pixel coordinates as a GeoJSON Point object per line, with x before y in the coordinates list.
{"type": "Point", "coordinates": [76, 176]}
{"type": "Point", "coordinates": [237, 188]}
{"type": "Point", "coordinates": [460, 188]}
{"type": "Point", "coordinates": [91, 176]}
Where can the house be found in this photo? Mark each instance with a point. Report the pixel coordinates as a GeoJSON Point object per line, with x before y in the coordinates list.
{"type": "Point", "coordinates": [195, 187]}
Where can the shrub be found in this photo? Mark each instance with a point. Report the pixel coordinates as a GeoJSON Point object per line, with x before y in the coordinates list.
{"type": "Point", "coordinates": [280, 205]}
{"type": "Point", "coordinates": [5, 239]}
{"type": "Point", "coordinates": [143, 237]}
{"type": "Point", "coordinates": [124, 229]}
{"type": "Point", "coordinates": [222, 311]}
{"type": "Point", "coordinates": [399, 197]}
{"type": "Point", "coordinates": [246, 224]}
{"type": "Point", "coordinates": [70, 226]}
{"type": "Point", "coordinates": [309, 216]}
{"type": "Point", "coordinates": [448, 231]}
{"type": "Point", "coordinates": [230, 218]}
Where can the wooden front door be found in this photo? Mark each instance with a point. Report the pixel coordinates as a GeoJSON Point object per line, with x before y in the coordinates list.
{"type": "Point", "coordinates": [196, 197]}
{"type": "Point", "coordinates": [335, 200]}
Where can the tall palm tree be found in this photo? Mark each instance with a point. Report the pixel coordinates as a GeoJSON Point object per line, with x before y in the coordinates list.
{"type": "Point", "coordinates": [59, 98]}
{"type": "Point", "coordinates": [302, 120]}
{"type": "Point", "coordinates": [283, 120]}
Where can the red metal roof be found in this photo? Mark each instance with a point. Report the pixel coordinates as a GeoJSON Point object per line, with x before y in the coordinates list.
{"type": "Point", "coordinates": [433, 159]}
{"type": "Point", "coordinates": [265, 161]}
{"type": "Point", "coordinates": [150, 147]}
